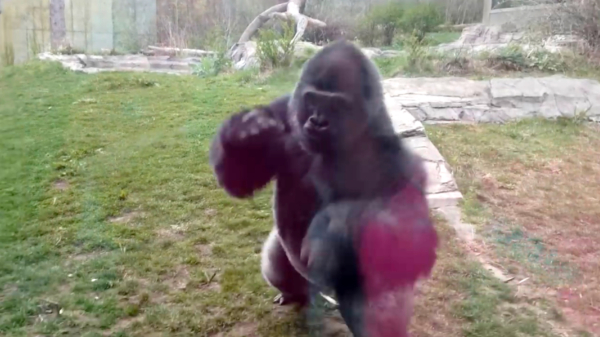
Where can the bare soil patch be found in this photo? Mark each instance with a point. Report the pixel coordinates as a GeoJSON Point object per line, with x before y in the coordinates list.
{"type": "Point", "coordinates": [61, 185]}
{"type": "Point", "coordinates": [241, 330]}
{"type": "Point", "coordinates": [534, 189]}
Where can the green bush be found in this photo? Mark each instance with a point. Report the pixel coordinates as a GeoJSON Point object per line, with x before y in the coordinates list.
{"type": "Point", "coordinates": [387, 18]}
{"type": "Point", "coordinates": [274, 49]}
{"type": "Point", "coordinates": [367, 33]}
{"type": "Point", "coordinates": [380, 24]}
{"type": "Point", "coordinates": [420, 19]}
{"type": "Point", "coordinates": [417, 57]}
{"type": "Point", "coordinates": [212, 65]}
{"type": "Point", "coordinates": [383, 22]}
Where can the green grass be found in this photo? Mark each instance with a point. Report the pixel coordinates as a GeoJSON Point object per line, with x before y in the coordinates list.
{"type": "Point", "coordinates": [389, 66]}
{"type": "Point", "coordinates": [111, 222]}
{"type": "Point", "coordinates": [124, 144]}
{"type": "Point", "coordinates": [522, 183]}
{"type": "Point", "coordinates": [479, 304]}
{"type": "Point", "coordinates": [437, 38]}
{"type": "Point", "coordinates": [469, 149]}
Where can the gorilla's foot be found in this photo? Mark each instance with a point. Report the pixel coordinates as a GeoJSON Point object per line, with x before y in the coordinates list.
{"type": "Point", "coordinates": [290, 299]}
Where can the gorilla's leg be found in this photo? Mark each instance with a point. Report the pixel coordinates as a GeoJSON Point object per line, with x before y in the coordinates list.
{"type": "Point", "coordinates": [388, 315]}
{"type": "Point", "coordinates": [279, 273]}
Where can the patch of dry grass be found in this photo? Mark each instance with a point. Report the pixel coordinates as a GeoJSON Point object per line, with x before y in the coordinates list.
{"type": "Point", "coordinates": [533, 189]}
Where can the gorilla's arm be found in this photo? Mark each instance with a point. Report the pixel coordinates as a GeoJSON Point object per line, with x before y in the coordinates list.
{"type": "Point", "coordinates": [248, 148]}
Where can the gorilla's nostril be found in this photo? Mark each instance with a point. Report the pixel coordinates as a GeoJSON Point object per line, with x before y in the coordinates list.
{"type": "Point", "coordinates": [318, 122]}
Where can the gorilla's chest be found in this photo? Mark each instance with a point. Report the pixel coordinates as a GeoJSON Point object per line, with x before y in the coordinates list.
{"type": "Point", "coordinates": [295, 202]}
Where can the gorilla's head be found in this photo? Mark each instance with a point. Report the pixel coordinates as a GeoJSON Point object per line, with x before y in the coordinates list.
{"type": "Point", "coordinates": [337, 99]}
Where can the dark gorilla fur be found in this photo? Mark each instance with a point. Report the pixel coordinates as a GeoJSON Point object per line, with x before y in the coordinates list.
{"type": "Point", "coordinates": [350, 211]}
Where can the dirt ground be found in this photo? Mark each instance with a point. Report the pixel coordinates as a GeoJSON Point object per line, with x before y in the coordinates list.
{"type": "Point", "coordinates": [533, 191]}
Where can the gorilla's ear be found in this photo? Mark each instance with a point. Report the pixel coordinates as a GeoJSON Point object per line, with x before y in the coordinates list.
{"type": "Point", "coordinates": [323, 99]}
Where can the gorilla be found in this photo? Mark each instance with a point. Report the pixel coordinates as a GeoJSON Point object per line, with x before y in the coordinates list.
{"type": "Point", "coordinates": [351, 215]}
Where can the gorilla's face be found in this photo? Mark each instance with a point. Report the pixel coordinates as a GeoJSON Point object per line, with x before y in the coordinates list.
{"type": "Point", "coordinates": [330, 103]}
{"type": "Point", "coordinates": [325, 120]}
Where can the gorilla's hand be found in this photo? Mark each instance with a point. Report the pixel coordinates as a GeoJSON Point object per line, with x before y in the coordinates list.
{"type": "Point", "coordinates": [252, 128]}
{"type": "Point", "coordinates": [249, 147]}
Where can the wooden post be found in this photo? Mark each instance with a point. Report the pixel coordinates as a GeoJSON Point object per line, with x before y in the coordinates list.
{"type": "Point", "coordinates": [58, 28]}
{"type": "Point", "coordinates": [487, 7]}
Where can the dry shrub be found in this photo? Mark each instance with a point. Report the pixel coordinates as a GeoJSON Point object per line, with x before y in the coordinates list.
{"type": "Point", "coordinates": [205, 24]}
{"type": "Point", "coordinates": [456, 65]}
{"type": "Point", "coordinates": [461, 11]}
{"type": "Point", "coordinates": [331, 32]}
{"type": "Point", "coordinates": [515, 58]}
{"type": "Point", "coordinates": [580, 18]}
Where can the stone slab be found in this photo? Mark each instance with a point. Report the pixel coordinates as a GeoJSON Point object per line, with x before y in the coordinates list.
{"type": "Point", "coordinates": [424, 89]}
{"type": "Point", "coordinates": [510, 90]}
{"type": "Point", "coordinates": [574, 95]}
{"type": "Point", "coordinates": [441, 187]}
{"type": "Point", "coordinates": [448, 199]}
{"type": "Point", "coordinates": [440, 179]}
{"type": "Point", "coordinates": [500, 100]}
{"type": "Point", "coordinates": [453, 216]}
{"type": "Point", "coordinates": [405, 124]}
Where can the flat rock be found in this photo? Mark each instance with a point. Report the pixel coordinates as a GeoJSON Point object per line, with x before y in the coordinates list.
{"type": "Point", "coordinates": [450, 89]}
{"type": "Point", "coordinates": [441, 187]}
{"type": "Point", "coordinates": [453, 216]}
{"type": "Point", "coordinates": [573, 95]}
{"type": "Point", "coordinates": [92, 64]}
{"type": "Point", "coordinates": [500, 100]}
{"type": "Point", "coordinates": [405, 124]}
{"type": "Point", "coordinates": [178, 65]}
{"type": "Point", "coordinates": [441, 200]}
{"type": "Point", "coordinates": [440, 177]}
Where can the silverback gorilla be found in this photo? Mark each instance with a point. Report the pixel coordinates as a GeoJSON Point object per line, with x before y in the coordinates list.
{"type": "Point", "coordinates": [350, 211]}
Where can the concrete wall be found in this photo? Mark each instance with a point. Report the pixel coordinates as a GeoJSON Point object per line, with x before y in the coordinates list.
{"type": "Point", "coordinates": [91, 25]}
{"type": "Point", "coordinates": [24, 28]}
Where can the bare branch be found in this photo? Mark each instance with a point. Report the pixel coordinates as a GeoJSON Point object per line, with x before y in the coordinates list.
{"type": "Point", "coordinates": [286, 11]}
{"type": "Point", "coordinates": [260, 20]}
{"type": "Point", "coordinates": [293, 12]}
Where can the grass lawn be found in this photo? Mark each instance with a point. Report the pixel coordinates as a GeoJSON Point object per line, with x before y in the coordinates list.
{"type": "Point", "coordinates": [437, 38]}
{"type": "Point", "coordinates": [532, 188]}
{"type": "Point", "coordinates": [112, 224]}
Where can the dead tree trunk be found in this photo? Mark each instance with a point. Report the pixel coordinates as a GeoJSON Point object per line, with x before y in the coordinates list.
{"type": "Point", "coordinates": [290, 10]}
{"type": "Point", "coordinates": [294, 11]}
{"type": "Point", "coordinates": [260, 20]}
{"type": "Point", "coordinates": [58, 29]}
